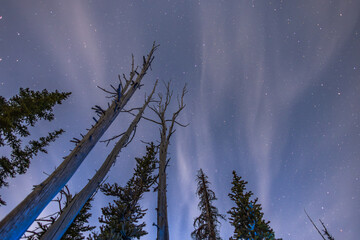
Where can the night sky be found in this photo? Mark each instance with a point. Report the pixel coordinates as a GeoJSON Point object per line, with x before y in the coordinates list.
{"type": "Point", "coordinates": [273, 94]}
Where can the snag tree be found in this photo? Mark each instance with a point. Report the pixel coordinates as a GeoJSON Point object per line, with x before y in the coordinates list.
{"type": "Point", "coordinates": [206, 224]}
{"type": "Point", "coordinates": [166, 131]}
{"type": "Point", "coordinates": [57, 229]}
{"type": "Point", "coordinates": [19, 219]}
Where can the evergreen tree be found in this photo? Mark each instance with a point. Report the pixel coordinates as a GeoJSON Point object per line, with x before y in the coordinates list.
{"type": "Point", "coordinates": [75, 230]}
{"type": "Point", "coordinates": [206, 224]}
{"type": "Point", "coordinates": [16, 115]}
{"type": "Point", "coordinates": [246, 217]}
{"type": "Point", "coordinates": [120, 219]}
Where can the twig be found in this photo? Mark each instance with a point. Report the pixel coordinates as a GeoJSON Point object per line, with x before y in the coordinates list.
{"type": "Point", "coordinates": [129, 141]}
{"type": "Point", "coordinates": [107, 141]}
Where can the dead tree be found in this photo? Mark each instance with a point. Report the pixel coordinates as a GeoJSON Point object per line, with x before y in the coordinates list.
{"type": "Point", "coordinates": [58, 228]}
{"type": "Point", "coordinates": [166, 131]}
{"type": "Point", "coordinates": [206, 224]}
{"type": "Point", "coordinates": [19, 219]}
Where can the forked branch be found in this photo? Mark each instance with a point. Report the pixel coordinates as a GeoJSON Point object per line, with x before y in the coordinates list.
{"type": "Point", "coordinates": [162, 106]}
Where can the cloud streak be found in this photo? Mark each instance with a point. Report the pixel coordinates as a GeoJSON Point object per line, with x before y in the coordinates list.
{"type": "Point", "coordinates": [273, 72]}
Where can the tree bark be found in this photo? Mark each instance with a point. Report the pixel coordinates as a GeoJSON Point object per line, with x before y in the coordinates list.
{"type": "Point", "coordinates": [165, 135]}
{"type": "Point", "coordinates": [162, 220]}
{"type": "Point", "coordinates": [59, 227]}
{"type": "Point", "coordinates": [19, 219]}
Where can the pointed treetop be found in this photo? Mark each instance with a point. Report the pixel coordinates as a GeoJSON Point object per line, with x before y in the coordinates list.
{"type": "Point", "coordinates": [206, 225]}
{"type": "Point", "coordinates": [246, 217]}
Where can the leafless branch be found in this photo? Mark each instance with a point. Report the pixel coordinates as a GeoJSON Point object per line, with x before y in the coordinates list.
{"type": "Point", "coordinates": [176, 114]}
{"type": "Point", "coordinates": [122, 89]}
{"type": "Point", "coordinates": [130, 110]}
{"type": "Point", "coordinates": [98, 110]}
{"type": "Point", "coordinates": [146, 118]}
{"type": "Point", "coordinates": [167, 164]}
{"type": "Point", "coordinates": [157, 110]}
{"type": "Point", "coordinates": [129, 141]}
{"type": "Point", "coordinates": [180, 124]}
{"type": "Point", "coordinates": [111, 93]}
{"type": "Point", "coordinates": [155, 225]}
{"type": "Point", "coordinates": [121, 85]}
{"type": "Point", "coordinates": [45, 222]}
{"type": "Point", "coordinates": [107, 141]}
{"type": "Point", "coordinates": [47, 217]}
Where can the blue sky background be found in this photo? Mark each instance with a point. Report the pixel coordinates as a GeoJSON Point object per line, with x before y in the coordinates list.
{"type": "Point", "coordinates": [273, 94]}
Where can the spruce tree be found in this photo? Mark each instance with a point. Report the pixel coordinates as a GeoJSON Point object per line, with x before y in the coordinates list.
{"type": "Point", "coordinates": [246, 217]}
{"type": "Point", "coordinates": [206, 224]}
{"type": "Point", "coordinates": [75, 231]}
{"type": "Point", "coordinates": [120, 218]}
{"type": "Point", "coordinates": [16, 115]}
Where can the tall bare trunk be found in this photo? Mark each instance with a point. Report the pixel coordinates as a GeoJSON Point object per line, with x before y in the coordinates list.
{"type": "Point", "coordinates": [166, 131]}
{"type": "Point", "coordinates": [162, 220]}
{"type": "Point", "coordinates": [19, 219]}
{"type": "Point", "coordinates": [57, 229]}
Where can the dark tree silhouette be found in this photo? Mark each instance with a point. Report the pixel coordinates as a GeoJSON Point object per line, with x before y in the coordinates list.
{"type": "Point", "coordinates": [16, 115]}
{"type": "Point", "coordinates": [206, 224]}
{"type": "Point", "coordinates": [76, 229]}
{"type": "Point", "coordinates": [246, 217]}
{"type": "Point", "coordinates": [325, 231]}
{"type": "Point", "coordinates": [120, 219]}
{"type": "Point", "coordinates": [19, 219]}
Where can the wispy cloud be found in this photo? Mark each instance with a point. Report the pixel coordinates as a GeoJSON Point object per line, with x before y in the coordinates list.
{"type": "Point", "coordinates": [272, 71]}
{"type": "Point", "coordinates": [70, 35]}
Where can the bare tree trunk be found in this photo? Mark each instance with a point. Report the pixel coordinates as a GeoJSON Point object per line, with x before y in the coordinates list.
{"type": "Point", "coordinates": [166, 131]}
{"type": "Point", "coordinates": [57, 229]}
{"type": "Point", "coordinates": [162, 220]}
{"type": "Point", "coordinates": [19, 219]}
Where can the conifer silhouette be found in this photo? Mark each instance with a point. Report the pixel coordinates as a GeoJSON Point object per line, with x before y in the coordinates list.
{"type": "Point", "coordinates": [206, 224]}
{"type": "Point", "coordinates": [16, 115]}
{"type": "Point", "coordinates": [246, 217]}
